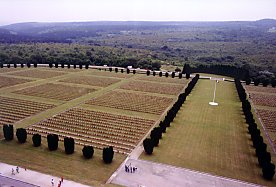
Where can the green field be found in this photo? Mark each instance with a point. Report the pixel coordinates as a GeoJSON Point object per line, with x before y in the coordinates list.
{"type": "Point", "coordinates": [211, 139]}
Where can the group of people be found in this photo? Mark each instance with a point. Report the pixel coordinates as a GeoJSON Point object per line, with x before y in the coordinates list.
{"type": "Point", "coordinates": [17, 170]}
{"type": "Point", "coordinates": [130, 169]}
{"type": "Point", "coordinates": [59, 183]}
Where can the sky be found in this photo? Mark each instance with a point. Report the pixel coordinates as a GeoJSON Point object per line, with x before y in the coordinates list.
{"type": "Point", "coordinates": [15, 11]}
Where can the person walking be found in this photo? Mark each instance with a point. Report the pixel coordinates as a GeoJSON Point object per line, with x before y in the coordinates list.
{"type": "Point", "coordinates": [13, 172]}
{"type": "Point", "coordinates": [17, 169]}
{"type": "Point", "coordinates": [52, 181]}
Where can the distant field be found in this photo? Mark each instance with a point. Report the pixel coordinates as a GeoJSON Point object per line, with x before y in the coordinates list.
{"type": "Point", "coordinates": [211, 139]}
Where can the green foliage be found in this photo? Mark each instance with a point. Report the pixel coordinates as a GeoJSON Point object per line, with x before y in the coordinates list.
{"type": "Point", "coordinates": [21, 135]}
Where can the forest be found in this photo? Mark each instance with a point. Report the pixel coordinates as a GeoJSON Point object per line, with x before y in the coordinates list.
{"type": "Point", "coordinates": [250, 45]}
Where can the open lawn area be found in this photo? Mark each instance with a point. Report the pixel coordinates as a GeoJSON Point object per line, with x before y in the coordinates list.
{"type": "Point", "coordinates": [56, 163]}
{"type": "Point", "coordinates": [212, 139]}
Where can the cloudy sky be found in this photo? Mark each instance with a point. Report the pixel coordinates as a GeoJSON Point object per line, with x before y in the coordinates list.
{"type": "Point", "coordinates": [14, 11]}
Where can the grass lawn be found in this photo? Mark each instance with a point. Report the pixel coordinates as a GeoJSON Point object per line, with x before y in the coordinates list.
{"type": "Point", "coordinates": [73, 167]}
{"type": "Point", "coordinates": [211, 139]}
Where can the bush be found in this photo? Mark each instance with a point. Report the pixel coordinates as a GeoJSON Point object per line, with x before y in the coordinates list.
{"type": "Point", "coordinates": [80, 65]}
{"type": "Point", "coordinates": [180, 75]}
{"type": "Point", "coordinates": [110, 69]}
{"type": "Point", "coordinates": [88, 151]}
{"type": "Point", "coordinates": [68, 66]}
{"type": "Point", "coordinates": [56, 65]}
{"type": "Point", "coordinates": [248, 81]}
{"type": "Point", "coordinates": [22, 65]}
{"type": "Point", "coordinates": [62, 65]}
{"type": "Point", "coordinates": [86, 66]}
{"type": "Point", "coordinates": [52, 140]}
{"type": "Point", "coordinates": [154, 73]}
{"type": "Point", "coordinates": [128, 71]}
{"type": "Point", "coordinates": [15, 65]}
{"type": "Point", "coordinates": [36, 140]}
{"type": "Point", "coordinates": [160, 74]}
{"type": "Point", "coordinates": [1, 65]}
{"type": "Point", "coordinates": [122, 70]}
{"type": "Point", "coordinates": [148, 72]}
{"type": "Point", "coordinates": [8, 65]}
{"type": "Point", "coordinates": [134, 71]}
{"type": "Point", "coordinates": [35, 65]}
{"type": "Point", "coordinates": [256, 82]}
{"type": "Point", "coordinates": [69, 145]}
{"type": "Point", "coordinates": [166, 74]}
{"type": "Point", "coordinates": [116, 70]}
{"type": "Point", "coordinates": [21, 135]}
{"type": "Point", "coordinates": [173, 74]}
{"type": "Point", "coordinates": [28, 64]}
{"type": "Point", "coordinates": [8, 132]}
{"type": "Point", "coordinates": [268, 171]}
{"type": "Point", "coordinates": [75, 66]}
{"type": "Point", "coordinates": [50, 65]}
{"type": "Point", "coordinates": [148, 146]}
{"type": "Point", "coordinates": [108, 154]}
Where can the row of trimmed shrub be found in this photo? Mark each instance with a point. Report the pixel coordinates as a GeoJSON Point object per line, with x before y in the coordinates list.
{"type": "Point", "coordinates": [264, 157]}
{"type": "Point", "coordinates": [21, 65]}
{"type": "Point", "coordinates": [265, 82]}
{"type": "Point", "coordinates": [52, 140]}
{"type": "Point", "coordinates": [156, 133]}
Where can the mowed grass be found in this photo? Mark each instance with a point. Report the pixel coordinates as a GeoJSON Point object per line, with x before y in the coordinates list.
{"type": "Point", "coordinates": [212, 139]}
{"type": "Point", "coordinates": [74, 167]}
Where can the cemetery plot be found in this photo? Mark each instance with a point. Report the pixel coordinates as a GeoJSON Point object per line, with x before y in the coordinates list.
{"type": "Point", "coordinates": [10, 81]}
{"type": "Point", "coordinates": [268, 118]}
{"type": "Point", "coordinates": [98, 129]}
{"type": "Point", "coordinates": [132, 101]}
{"type": "Point", "coordinates": [11, 69]}
{"type": "Point", "coordinates": [36, 73]}
{"type": "Point", "coordinates": [156, 78]}
{"type": "Point", "coordinates": [109, 74]}
{"type": "Point", "coordinates": [13, 110]}
{"type": "Point", "coordinates": [91, 80]}
{"type": "Point", "coordinates": [153, 87]}
{"type": "Point", "coordinates": [263, 99]}
{"type": "Point", "coordinates": [55, 91]}
{"type": "Point", "coordinates": [260, 89]}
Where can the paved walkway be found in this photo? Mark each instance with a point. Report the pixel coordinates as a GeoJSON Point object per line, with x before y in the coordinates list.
{"type": "Point", "coordinates": [155, 174]}
{"type": "Point", "coordinates": [30, 178]}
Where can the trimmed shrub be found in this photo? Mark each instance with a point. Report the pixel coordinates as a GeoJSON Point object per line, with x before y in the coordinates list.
{"type": "Point", "coordinates": [56, 65]}
{"type": "Point", "coordinates": [80, 65]}
{"type": "Point", "coordinates": [128, 71]}
{"type": "Point", "coordinates": [166, 74]}
{"type": "Point", "coordinates": [110, 69]}
{"type": "Point", "coordinates": [148, 72]}
{"type": "Point", "coordinates": [108, 154]}
{"type": "Point", "coordinates": [62, 65]}
{"type": "Point", "coordinates": [22, 65]}
{"type": "Point", "coordinates": [69, 145]}
{"type": "Point", "coordinates": [1, 65]}
{"type": "Point", "coordinates": [180, 75]}
{"type": "Point", "coordinates": [86, 66]}
{"type": "Point", "coordinates": [154, 73]}
{"type": "Point", "coordinates": [8, 132]}
{"type": "Point", "coordinates": [134, 71]}
{"type": "Point", "coordinates": [50, 65]}
{"type": "Point", "coordinates": [88, 151]}
{"type": "Point", "coordinates": [116, 70]}
{"type": "Point", "coordinates": [36, 140]}
{"type": "Point", "coordinates": [15, 65]}
{"type": "Point", "coordinates": [8, 65]}
{"type": "Point", "coordinates": [122, 70]}
{"type": "Point", "coordinates": [173, 74]}
{"type": "Point", "coordinates": [268, 171]}
{"type": "Point", "coordinates": [28, 64]}
{"type": "Point", "coordinates": [21, 135]}
{"type": "Point", "coordinates": [160, 74]}
{"type": "Point", "coordinates": [248, 81]}
{"type": "Point", "coordinates": [75, 66]}
{"type": "Point", "coordinates": [68, 66]}
{"type": "Point", "coordinates": [52, 140]}
{"type": "Point", "coordinates": [35, 64]}
{"type": "Point", "coordinates": [148, 146]}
